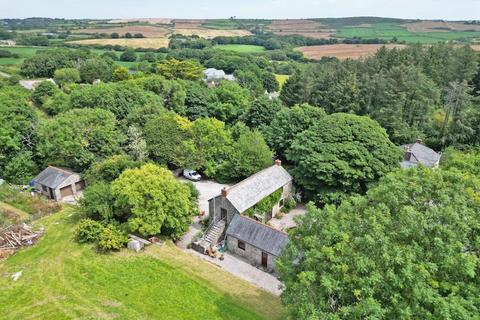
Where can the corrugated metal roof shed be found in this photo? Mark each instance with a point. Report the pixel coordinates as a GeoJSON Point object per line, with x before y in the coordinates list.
{"type": "Point", "coordinates": [257, 234]}
{"type": "Point", "coordinates": [52, 177]}
{"type": "Point", "coordinates": [250, 191]}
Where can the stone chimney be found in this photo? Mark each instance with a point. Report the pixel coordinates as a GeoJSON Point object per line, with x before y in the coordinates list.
{"type": "Point", "coordinates": [278, 162]}
{"type": "Point", "coordinates": [419, 141]}
{"type": "Point", "coordinates": [224, 192]}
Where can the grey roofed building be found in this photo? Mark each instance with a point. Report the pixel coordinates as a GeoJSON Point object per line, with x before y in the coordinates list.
{"type": "Point", "coordinates": [212, 75]}
{"type": "Point", "coordinates": [250, 191]}
{"type": "Point", "coordinates": [57, 183]}
{"type": "Point", "coordinates": [257, 234]}
{"type": "Point", "coordinates": [419, 154]}
{"type": "Point", "coordinates": [52, 177]}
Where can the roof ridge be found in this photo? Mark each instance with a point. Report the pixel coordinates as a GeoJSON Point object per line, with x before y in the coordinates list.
{"type": "Point", "coordinates": [61, 169]}
{"type": "Point", "coordinates": [251, 177]}
{"type": "Point", "coordinates": [263, 224]}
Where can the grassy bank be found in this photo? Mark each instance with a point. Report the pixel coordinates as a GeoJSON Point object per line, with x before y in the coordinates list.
{"type": "Point", "coordinates": [64, 280]}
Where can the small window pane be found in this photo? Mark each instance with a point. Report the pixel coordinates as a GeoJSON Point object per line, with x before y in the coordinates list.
{"type": "Point", "coordinates": [241, 245]}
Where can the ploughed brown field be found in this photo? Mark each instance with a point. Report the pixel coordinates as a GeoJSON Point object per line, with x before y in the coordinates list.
{"type": "Point", "coordinates": [147, 31]}
{"type": "Point", "coordinates": [188, 23]}
{"type": "Point", "coordinates": [344, 51]}
{"type": "Point", "coordinates": [307, 28]}
{"type": "Point", "coordinates": [146, 20]}
{"type": "Point", "coordinates": [440, 26]}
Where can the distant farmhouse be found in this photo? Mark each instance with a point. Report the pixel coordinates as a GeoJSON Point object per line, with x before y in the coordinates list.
{"type": "Point", "coordinates": [255, 241]}
{"type": "Point", "coordinates": [212, 76]}
{"type": "Point", "coordinates": [419, 154]}
{"type": "Point", "coordinates": [57, 183]}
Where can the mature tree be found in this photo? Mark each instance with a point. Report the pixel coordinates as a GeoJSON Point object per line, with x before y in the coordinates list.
{"type": "Point", "coordinates": [295, 90]}
{"type": "Point", "coordinates": [66, 76]}
{"type": "Point", "coordinates": [153, 201]}
{"type": "Point", "coordinates": [341, 154]}
{"type": "Point", "coordinates": [109, 169]}
{"type": "Point", "coordinates": [43, 91]}
{"type": "Point", "coordinates": [110, 55]}
{"type": "Point", "coordinates": [464, 161]}
{"type": "Point", "coordinates": [78, 138]}
{"type": "Point", "coordinates": [137, 146]}
{"type": "Point", "coordinates": [249, 154]}
{"type": "Point", "coordinates": [289, 122]}
{"type": "Point", "coordinates": [455, 124]}
{"type": "Point", "coordinates": [261, 112]}
{"type": "Point", "coordinates": [172, 92]}
{"type": "Point", "coordinates": [149, 57]}
{"type": "Point", "coordinates": [120, 74]}
{"type": "Point", "coordinates": [96, 69]}
{"type": "Point", "coordinates": [45, 62]}
{"type": "Point", "coordinates": [97, 202]}
{"type": "Point", "coordinates": [169, 139]}
{"type": "Point", "coordinates": [58, 103]}
{"type": "Point", "coordinates": [197, 100]}
{"type": "Point", "coordinates": [21, 169]}
{"type": "Point", "coordinates": [120, 98]}
{"type": "Point", "coordinates": [18, 121]}
{"type": "Point", "coordinates": [231, 101]}
{"type": "Point", "coordinates": [408, 249]}
{"type": "Point", "coordinates": [212, 142]}
{"type": "Point", "coordinates": [128, 55]}
{"type": "Point", "coordinates": [176, 69]}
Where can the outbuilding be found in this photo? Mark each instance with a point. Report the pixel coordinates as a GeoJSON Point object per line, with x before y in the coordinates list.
{"type": "Point", "coordinates": [58, 183]}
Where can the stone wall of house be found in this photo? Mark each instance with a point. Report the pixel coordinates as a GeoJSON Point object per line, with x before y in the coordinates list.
{"type": "Point", "coordinates": [252, 254]}
{"type": "Point", "coordinates": [287, 192]}
{"type": "Point", "coordinates": [214, 209]}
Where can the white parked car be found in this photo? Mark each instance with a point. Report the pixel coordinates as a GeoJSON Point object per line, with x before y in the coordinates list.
{"type": "Point", "coordinates": [192, 175]}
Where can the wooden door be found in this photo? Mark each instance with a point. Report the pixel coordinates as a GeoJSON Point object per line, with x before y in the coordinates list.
{"type": "Point", "coordinates": [264, 259]}
{"type": "Point", "coordinates": [223, 213]}
{"type": "Point", "coordinates": [66, 191]}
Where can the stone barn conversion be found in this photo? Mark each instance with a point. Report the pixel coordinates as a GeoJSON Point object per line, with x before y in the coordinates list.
{"type": "Point", "coordinates": [57, 183]}
{"type": "Point", "coordinates": [250, 238]}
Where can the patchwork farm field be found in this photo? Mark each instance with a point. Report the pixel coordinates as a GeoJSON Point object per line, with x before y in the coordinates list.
{"type": "Point", "coordinates": [242, 48]}
{"type": "Point", "coordinates": [146, 31]}
{"type": "Point", "coordinates": [307, 28]}
{"type": "Point", "coordinates": [64, 280]}
{"type": "Point", "coordinates": [388, 31]}
{"type": "Point", "coordinates": [343, 51]}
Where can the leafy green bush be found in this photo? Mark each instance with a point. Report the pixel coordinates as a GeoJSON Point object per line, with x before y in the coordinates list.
{"type": "Point", "coordinates": [88, 231]}
{"type": "Point", "coordinates": [194, 193]}
{"type": "Point", "coordinates": [111, 238]}
{"type": "Point", "coordinates": [289, 204]}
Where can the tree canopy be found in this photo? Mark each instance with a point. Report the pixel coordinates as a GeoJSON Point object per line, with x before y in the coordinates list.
{"type": "Point", "coordinates": [341, 154]}
{"type": "Point", "coordinates": [408, 249]}
{"type": "Point", "coordinates": [153, 202]}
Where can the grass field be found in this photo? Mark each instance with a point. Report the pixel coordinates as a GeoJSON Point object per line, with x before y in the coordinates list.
{"type": "Point", "coordinates": [64, 280]}
{"type": "Point", "coordinates": [242, 48]}
{"type": "Point", "coordinates": [390, 30]}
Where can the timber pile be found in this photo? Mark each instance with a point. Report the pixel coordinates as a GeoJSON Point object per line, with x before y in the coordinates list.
{"type": "Point", "coordinates": [16, 236]}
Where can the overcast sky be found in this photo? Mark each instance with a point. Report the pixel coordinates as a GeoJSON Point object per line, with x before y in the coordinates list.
{"type": "Point", "coordinates": [424, 9]}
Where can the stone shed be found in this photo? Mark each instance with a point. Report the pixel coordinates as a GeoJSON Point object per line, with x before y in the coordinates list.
{"type": "Point", "coordinates": [57, 183]}
{"type": "Point", "coordinates": [256, 242]}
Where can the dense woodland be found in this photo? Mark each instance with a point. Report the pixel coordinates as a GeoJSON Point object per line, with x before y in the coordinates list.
{"type": "Point", "coordinates": [377, 242]}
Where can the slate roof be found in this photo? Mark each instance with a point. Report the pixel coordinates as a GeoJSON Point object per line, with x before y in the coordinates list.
{"type": "Point", "coordinates": [250, 191]}
{"type": "Point", "coordinates": [417, 153]}
{"type": "Point", "coordinates": [213, 73]}
{"type": "Point", "coordinates": [257, 234]}
{"type": "Point", "coordinates": [52, 177]}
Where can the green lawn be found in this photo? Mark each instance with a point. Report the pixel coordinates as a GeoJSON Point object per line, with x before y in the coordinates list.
{"type": "Point", "coordinates": [390, 30]}
{"type": "Point", "coordinates": [242, 48]}
{"type": "Point", "coordinates": [64, 280]}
